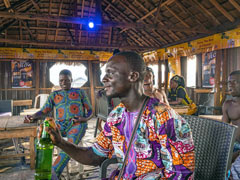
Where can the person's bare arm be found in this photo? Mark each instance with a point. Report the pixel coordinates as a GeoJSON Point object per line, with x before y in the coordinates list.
{"type": "Point", "coordinates": [83, 155]}
{"type": "Point", "coordinates": [33, 118]}
{"type": "Point", "coordinates": [82, 119]}
{"type": "Point", "coordinates": [178, 101]}
{"type": "Point", "coordinates": [225, 107]}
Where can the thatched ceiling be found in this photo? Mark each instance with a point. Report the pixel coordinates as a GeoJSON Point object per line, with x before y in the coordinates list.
{"type": "Point", "coordinates": [140, 25]}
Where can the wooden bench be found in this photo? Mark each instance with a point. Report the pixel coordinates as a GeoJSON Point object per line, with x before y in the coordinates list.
{"type": "Point", "coordinates": [13, 127]}
{"type": "Point", "coordinates": [26, 102]}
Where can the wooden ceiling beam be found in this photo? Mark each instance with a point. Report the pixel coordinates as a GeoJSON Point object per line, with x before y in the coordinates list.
{"type": "Point", "coordinates": [206, 12]}
{"type": "Point", "coordinates": [76, 20]}
{"type": "Point", "coordinates": [159, 36]}
{"type": "Point", "coordinates": [76, 26]}
{"type": "Point", "coordinates": [235, 4]}
{"type": "Point", "coordinates": [29, 31]}
{"type": "Point", "coordinates": [124, 17]}
{"type": "Point", "coordinates": [161, 23]}
{"type": "Point", "coordinates": [168, 2]}
{"type": "Point", "coordinates": [176, 16]}
{"type": "Point", "coordinates": [129, 9]}
{"type": "Point", "coordinates": [80, 28]}
{"type": "Point", "coordinates": [110, 35]}
{"type": "Point", "coordinates": [73, 46]}
{"type": "Point", "coordinates": [222, 10]}
{"type": "Point", "coordinates": [20, 30]}
{"type": "Point", "coordinates": [157, 12]}
{"type": "Point", "coordinates": [181, 6]}
{"type": "Point", "coordinates": [59, 14]}
{"type": "Point", "coordinates": [36, 6]}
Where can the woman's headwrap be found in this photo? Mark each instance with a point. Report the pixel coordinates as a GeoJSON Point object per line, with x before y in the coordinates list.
{"type": "Point", "coordinates": [179, 80]}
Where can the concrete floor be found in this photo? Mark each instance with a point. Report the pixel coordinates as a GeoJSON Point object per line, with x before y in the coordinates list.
{"type": "Point", "coordinates": [12, 169]}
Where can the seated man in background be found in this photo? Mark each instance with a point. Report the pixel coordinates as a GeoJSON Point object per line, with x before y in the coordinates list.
{"type": "Point", "coordinates": [149, 90]}
{"type": "Point", "coordinates": [177, 94]}
{"type": "Point", "coordinates": [163, 145]}
{"type": "Point", "coordinates": [231, 114]}
{"type": "Point", "coordinates": [73, 110]}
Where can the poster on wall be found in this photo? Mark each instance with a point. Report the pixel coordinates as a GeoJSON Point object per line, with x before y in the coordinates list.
{"type": "Point", "coordinates": [208, 68]}
{"type": "Point", "coordinates": [22, 74]}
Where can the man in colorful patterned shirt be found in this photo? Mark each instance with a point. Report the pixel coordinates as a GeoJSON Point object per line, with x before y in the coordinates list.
{"type": "Point", "coordinates": [163, 145]}
{"type": "Point", "coordinates": [73, 110]}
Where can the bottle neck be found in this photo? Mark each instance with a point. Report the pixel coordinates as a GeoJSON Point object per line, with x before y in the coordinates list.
{"type": "Point", "coordinates": [44, 133]}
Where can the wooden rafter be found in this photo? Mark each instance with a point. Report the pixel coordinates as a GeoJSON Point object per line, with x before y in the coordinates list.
{"type": "Point", "coordinates": [36, 6]}
{"type": "Point", "coordinates": [161, 23]}
{"type": "Point", "coordinates": [168, 2]}
{"type": "Point", "coordinates": [181, 6]}
{"type": "Point", "coordinates": [222, 10]}
{"type": "Point", "coordinates": [125, 18]}
{"type": "Point", "coordinates": [157, 12]}
{"type": "Point", "coordinates": [176, 16]}
{"type": "Point", "coordinates": [110, 35]}
{"type": "Point", "coordinates": [75, 46]}
{"type": "Point", "coordinates": [20, 30]}
{"type": "Point", "coordinates": [29, 31]}
{"type": "Point", "coordinates": [49, 12]}
{"type": "Point", "coordinates": [149, 13]}
{"type": "Point", "coordinates": [80, 29]}
{"type": "Point", "coordinates": [235, 4]}
{"type": "Point", "coordinates": [59, 14]}
{"type": "Point", "coordinates": [75, 14]}
{"type": "Point", "coordinates": [159, 36]}
{"type": "Point", "coordinates": [76, 20]}
{"type": "Point", "coordinates": [206, 12]}
{"type": "Point", "coordinates": [14, 8]}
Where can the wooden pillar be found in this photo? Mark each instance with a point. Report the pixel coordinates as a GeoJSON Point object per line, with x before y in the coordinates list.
{"type": "Point", "coordinates": [37, 79]}
{"type": "Point", "coordinates": [217, 79]}
{"type": "Point", "coordinates": [159, 74]}
{"type": "Point", "coordinates": [224, 75]}
{"type": "Point", "coordinates": [166, 76]}
{"type": "Point", "coordinates": [90, 71]}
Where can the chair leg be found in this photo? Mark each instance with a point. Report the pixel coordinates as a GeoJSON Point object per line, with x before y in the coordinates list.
{"type": "Point", "coordinates": [100, 125]}
{"type": "Point", "coordinates": [96, 128]}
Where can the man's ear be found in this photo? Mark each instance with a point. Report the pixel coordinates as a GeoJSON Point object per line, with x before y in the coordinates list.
{"type": "Point", "coordinates": [133, 76]}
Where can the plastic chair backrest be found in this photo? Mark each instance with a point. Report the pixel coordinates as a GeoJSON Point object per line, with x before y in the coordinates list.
{"type": "Point", "coordinates": [102, 107]}
{"type": "Point", "coordinates": [6, 106]}
{"type": "Point", "coordinates": [213, 142]}
{"type": "Point", "coordinates": [42, 99]}
{"type": "Point", "coordinates": [206, 99]}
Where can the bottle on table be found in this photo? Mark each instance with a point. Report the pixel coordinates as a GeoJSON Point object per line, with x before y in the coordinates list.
{"type": "Point", "coordinates": [44, 148]}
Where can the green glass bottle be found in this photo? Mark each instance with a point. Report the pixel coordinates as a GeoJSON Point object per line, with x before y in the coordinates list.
{"type": "Point", "coordinates": [44, 155]}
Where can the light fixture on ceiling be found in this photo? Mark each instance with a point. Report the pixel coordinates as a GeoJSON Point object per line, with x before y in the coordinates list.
{"type": "Point", "coordinates": [91, 24]}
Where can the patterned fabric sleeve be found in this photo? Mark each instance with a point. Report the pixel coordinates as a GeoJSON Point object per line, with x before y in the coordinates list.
{"type": "Point", "coordinates": [103, 146]}
{"type": "Point", "coordinates": [48, 106]}
{"type": "Point", "coordinates": [86, 103]}
{"type": "Point", "coordinates": [177, 149]}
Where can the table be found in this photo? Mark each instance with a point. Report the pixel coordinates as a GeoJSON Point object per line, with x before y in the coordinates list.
{"type": "Point", "coordinates": [13, 127]}
{"type": "Point", "coordinates": [214, 117]}
{"type": "Point", "coordinates": [180, 109]}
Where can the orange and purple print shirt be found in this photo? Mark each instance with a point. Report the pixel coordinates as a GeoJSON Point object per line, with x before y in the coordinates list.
{"type": "Point", "coordinates": [68, 104]}
{"type": "Point", "coordinates": [163, 146]}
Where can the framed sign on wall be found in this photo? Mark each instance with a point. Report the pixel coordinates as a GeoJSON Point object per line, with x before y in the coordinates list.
{"type": "Point", "coordinates": [22, 74]}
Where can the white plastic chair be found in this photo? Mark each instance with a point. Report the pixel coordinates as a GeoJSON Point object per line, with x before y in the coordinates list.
{"type": "Point", "coordinates": [42, 99]}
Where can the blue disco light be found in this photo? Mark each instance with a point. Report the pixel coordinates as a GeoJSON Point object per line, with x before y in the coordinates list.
{"type": "Point", "coordinates": [90, 24]}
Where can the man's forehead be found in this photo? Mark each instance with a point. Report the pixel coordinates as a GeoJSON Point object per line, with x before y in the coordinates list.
{"type": "Point", "coordinates": [116, 60]}
{"type": "Point", "coordinates": [65, 76]}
